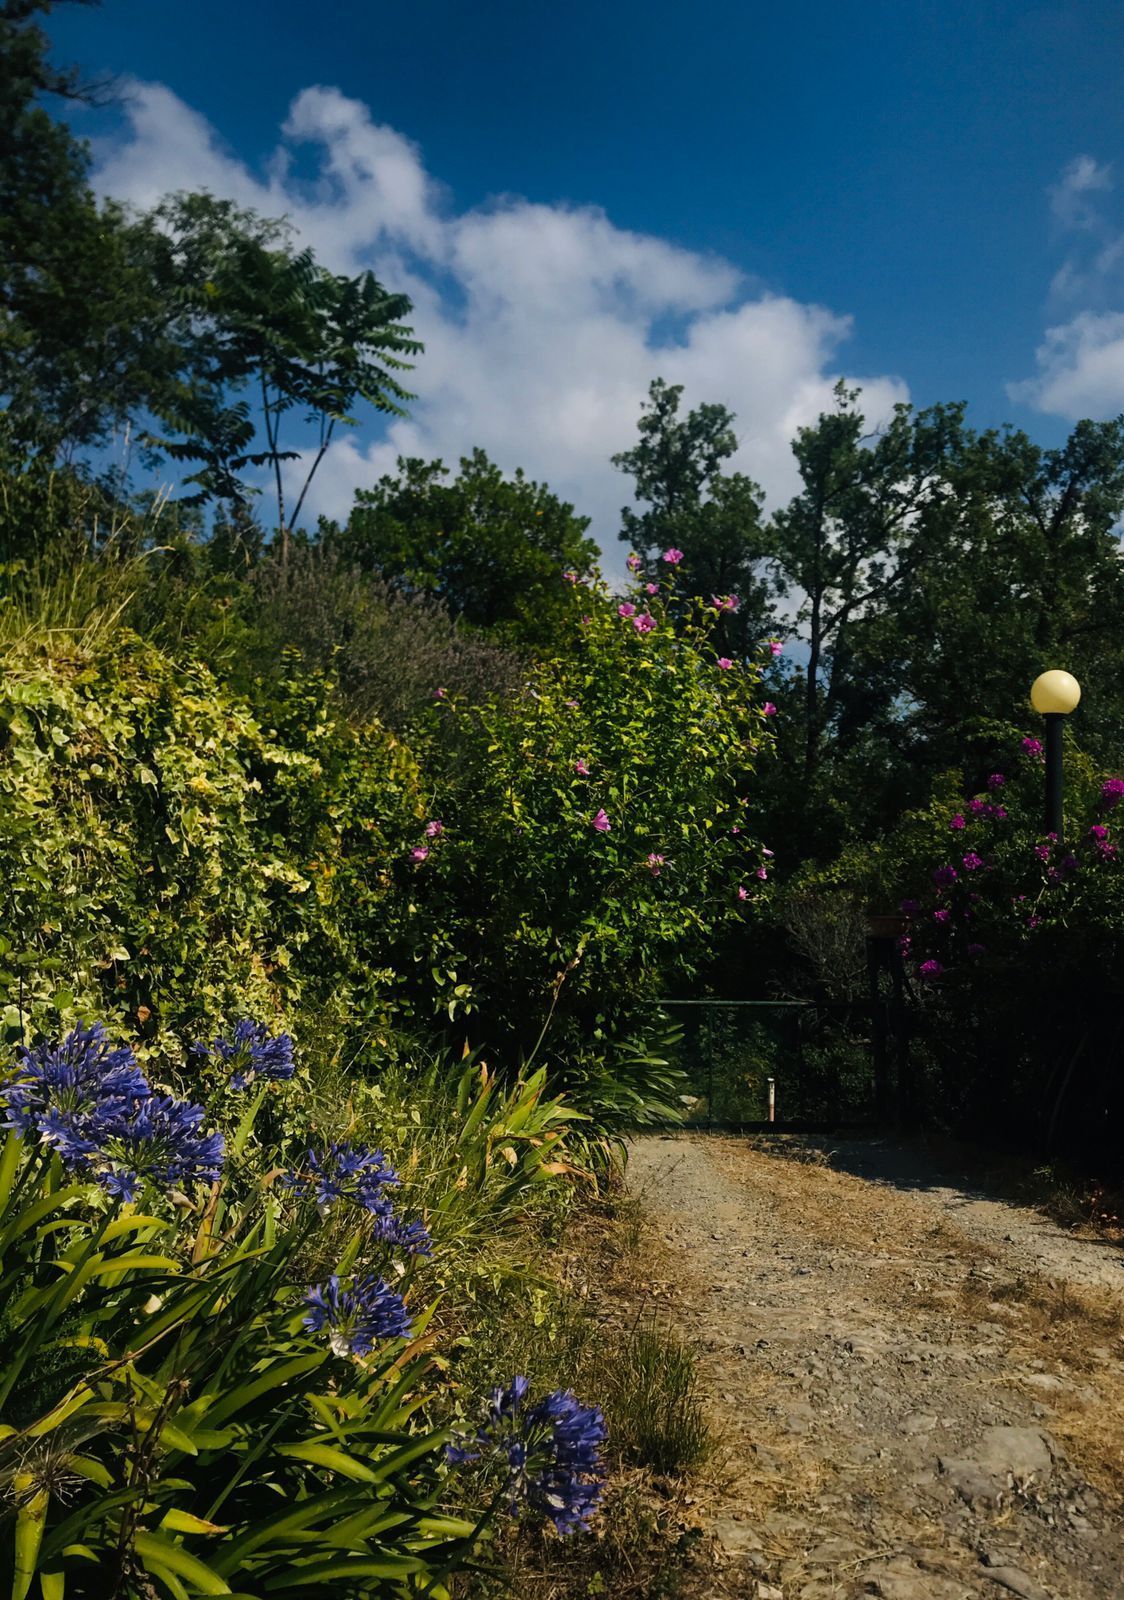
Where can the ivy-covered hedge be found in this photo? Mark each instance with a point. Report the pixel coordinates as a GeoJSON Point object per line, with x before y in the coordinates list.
{"type": "Point", "coordinates": [168, 858]}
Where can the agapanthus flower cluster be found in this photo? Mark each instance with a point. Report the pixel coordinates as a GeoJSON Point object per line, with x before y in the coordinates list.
{"type": "Point", "coordinates": [252, 1052]}
{"type": "Point", "coordinates": [92, 1105]}
{"type": "Point", "coordinates": [347, 1174]}
{"type": "Point", "coordinates": [158, 1139]}
{"type": "Point", "coordinates": [357, 1317]}
{"type": "Point", "coordinates": [547, 1455]}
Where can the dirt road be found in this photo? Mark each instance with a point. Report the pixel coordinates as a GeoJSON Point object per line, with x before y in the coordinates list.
{"type": "Point", "coordinates": [921, 1388]}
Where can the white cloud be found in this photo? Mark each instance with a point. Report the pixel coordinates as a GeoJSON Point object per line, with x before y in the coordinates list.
{"type": "Point", "coordinates": [1069, 197]}
{"type": "Point", "coordinates": [543, 324]}
{"type": "Point", "coordinates": [1080, 362]}
{"type": "Point", "coordinates": [1080, 368]}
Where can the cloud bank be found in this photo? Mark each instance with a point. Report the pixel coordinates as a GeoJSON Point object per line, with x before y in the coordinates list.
{"type": "Point", "coordinates": [543, 324]}
{"type": "Point", "coordinates": [1080, 362]}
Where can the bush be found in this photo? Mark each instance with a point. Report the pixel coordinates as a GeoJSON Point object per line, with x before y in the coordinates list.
{"type": "Point", "coordinates": [1013, 953]}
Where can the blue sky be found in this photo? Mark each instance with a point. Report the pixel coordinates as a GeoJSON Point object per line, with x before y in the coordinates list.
{"type": "Point", "coordinates": [749, 199]}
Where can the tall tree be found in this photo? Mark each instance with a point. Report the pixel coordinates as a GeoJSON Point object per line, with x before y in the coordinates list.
{"type": "Point", "coordinates": [491, 547]}
{"type": "Point", "coordinates": [82, 325]}
{"type": "Point", "coordinates": [691, 503]}
{"type": "Point", "coordinates": [271, 332]}
{"type": "Point", "coordinates": [860, 530]}
{"type": "Point", "coordinates": [1027, 575]}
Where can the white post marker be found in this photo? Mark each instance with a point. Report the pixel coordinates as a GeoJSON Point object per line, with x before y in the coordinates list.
{"type": "Point", "coordinates": [772, 1099]}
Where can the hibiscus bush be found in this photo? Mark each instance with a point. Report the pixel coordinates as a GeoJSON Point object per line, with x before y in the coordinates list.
{"type": "Point", "coordinates": [589, 842]}
{"type": "Point", "coordinates": [1014, 949]}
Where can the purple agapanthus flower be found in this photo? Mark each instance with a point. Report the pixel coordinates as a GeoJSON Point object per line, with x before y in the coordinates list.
{"type": "Point", "coordinates": [351, 1175]}
{"type": "Point", "coordinates": [62, 1090]}
{"type": "Point", "coordinates": [549, 1453]}
{"type": "Point", "coordinates": [357, 1318]}
{"type": "Point", "coordinates": [253, 1052]}
{"type": "Point", "coordinates": [160, 1139]}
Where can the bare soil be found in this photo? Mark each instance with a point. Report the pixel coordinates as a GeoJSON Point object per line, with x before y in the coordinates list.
{"type": "Point", "coordinates": [920, 1386]}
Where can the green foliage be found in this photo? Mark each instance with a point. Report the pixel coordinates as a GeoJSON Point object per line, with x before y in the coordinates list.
{"type": "Point", "coordinates": [693, 505]}
{"type": "Point", "coordinates": [1013, 963]}
{"type": "Point", "coordinates": [652, 1398]}
{"type": "Point", "coordinates": [600, 820]}
{"type": "Point", "coordinates": [168, 858]}
{"type": "Point", "coordinates": [386, 651]}
{"type": "Point", "coordinates": [169, 1426]}
{"type": "Point", "coordinates": [266, 326]}
{"type": "Point", "coordinates": [490, 548]}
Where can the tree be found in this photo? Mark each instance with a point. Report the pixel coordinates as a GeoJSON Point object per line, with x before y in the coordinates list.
{"type": "Point", "coordinates": [1027, 574]}
{"type": "Point", "coordinates": [83, 341]}
{"type": "Point", "coordinates": [692, 505]}
{"type": "Point", "coordinates": [868, 517]}
{"type": "Point", "coordinates": [269, 331]}
{"type": "Point", "coordinates": [492, 548]}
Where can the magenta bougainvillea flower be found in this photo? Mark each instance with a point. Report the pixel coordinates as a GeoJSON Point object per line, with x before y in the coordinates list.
{"type": "Point", "coordinates": [644, 623]}
{"type": "Point", "coordinates": [1032, 747]}
{"type": "Point", "coordinates": [942, 914]}
{"type": "Point", "coordinates": [601, 822]}
{"type": "Point", "coordinates": [673, 556]}
{"type": "Point", "coordinates": [996, 781]}
{"type": "Point", "coordinates": [1112, 792]}
{"type": "Point", "coordinates": [434, 829]}
{"type": "Point", "coordinates": [776, 646]}
{"type": "Point", "coordinates": [626, 609]}
{"type": "Point", "coordinates": [976, 806]}
{"type": "Point", "coordinates": [724, 663]}
{"type": "Point", "coordinates": [957, 823]}
{"type": "Point", "coordinates": [420, 852]}
{"type": "Point", "coordinates": [930, 970]}
{"type": "Point", "coordinates": [581, 768]}
{"type": "Point", "coordinates": [743, 892]}
{"type": "Point", "coordinates": [944, 876]}
{"type": "Point", "coordinates": [1098, 831]}
{"type": "Point", "coordinates": [651, 588]}
{"type": "Point", "coordinates": [972, 862]}
{"type": "Point", "coordinates": [769, 709]}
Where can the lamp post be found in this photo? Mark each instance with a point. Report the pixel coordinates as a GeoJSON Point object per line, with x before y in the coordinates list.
{"type": "Point", "coordinates": [1054, 694]}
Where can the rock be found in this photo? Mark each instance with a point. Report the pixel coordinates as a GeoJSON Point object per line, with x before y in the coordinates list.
{"type": "Point", "coordinates": [736, 1537]}
{"type": "Point", "coordinates": [1022, 1452]}
{"type": "Point", "coordinates": [974, 1486]}
{"type": "Point", "coordinates": [768, 1591]}
{"type": "Point", "coordinates": [1015, 1581]}
{"type": "Point", "coordinates": [919, 1422]}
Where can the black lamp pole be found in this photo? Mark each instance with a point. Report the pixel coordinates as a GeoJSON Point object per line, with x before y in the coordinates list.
{"type": "Point", "coordinates": [1054, 720]}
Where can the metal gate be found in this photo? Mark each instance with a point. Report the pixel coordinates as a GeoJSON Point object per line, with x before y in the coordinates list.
{"type": "Point", "coordinates": [795, 1064]}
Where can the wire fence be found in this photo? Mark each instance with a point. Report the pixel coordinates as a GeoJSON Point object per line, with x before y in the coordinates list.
{"type": "Point", "coordinates": [784, 1063]}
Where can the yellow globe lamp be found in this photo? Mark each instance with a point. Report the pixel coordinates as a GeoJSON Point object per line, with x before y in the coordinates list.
{"type": "Point", "coordinates": [1055, 693]}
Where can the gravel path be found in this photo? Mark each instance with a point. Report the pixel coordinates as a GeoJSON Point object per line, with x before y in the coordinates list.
{"type": "Point", "coordinates": [921, 1389]}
